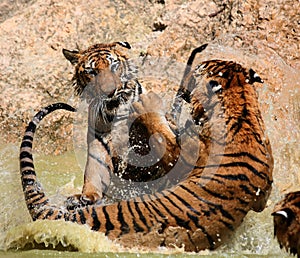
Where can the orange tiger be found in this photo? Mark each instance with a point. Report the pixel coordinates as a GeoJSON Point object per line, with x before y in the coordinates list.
{"type": "Point", "coordinates": [106, 78]}
{"type": "Point", "coordinates": [232, 174]}
{"type": "Point", "coordinates": [287, 222]}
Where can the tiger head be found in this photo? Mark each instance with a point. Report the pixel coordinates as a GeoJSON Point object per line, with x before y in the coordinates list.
{"type": "Point", "coordinates": [221, 88]}
{"type": "Point", "coordinates": [101, 70]}
{"type": "Point", "coordinates": [286, 218]}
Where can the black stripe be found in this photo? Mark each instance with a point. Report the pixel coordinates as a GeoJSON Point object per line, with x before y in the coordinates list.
{"type": "Point", "coordinates": [33, 195]}
{"type": "Point", "coordinates": [162, 221]}
{"type": "Point", "coordinates": [108, 225]}
{"type": "Point", "coordinates": [101, 162]}
{"type": "Point", "coordinates": [239, 164]}
{"type": "Point", "coordinates": [27, 138]}
{"type": "Point", "coordinates": [172, 202]}
{"type": "Point", "coordinates": [136, 226]}
{"type": "Point", "coordinates": [216, 206]}
{"type": "Point", "coordinates": [27, 181]}
{"type": "Point", "coordinates": [210, 178]}
{"type": "Point", "coordinates": [185, 203]}
{"type": "Point", "coordinates": [30, 128]}
{"type": "Point", "coordinates": [141, 216]}
{"type": "Point", "coordinates": [49, 213]}
{"type": "Point", "coordinates": [59, 105]}
{"type": "Point", "coordinates": [26, 144]}
{"type": "Point", "coordinates": [195, 195]}
{"type": "Point", "coordinates": [225, 213]}
{"type": "Point", "coordinates": [181, 222]}
{"type": "Point", "coordinates": [26, 164]}
{"type": "Point", "coordinates": [38, 214]}
{"type": "Point", "coordinates": [241, 210]}
{"type": "Point", "coordinates": [228, 225]}
{"type": "Point", "coordinates": [297, 204]}
{"type": "Point", "coordinates": [236, 126]}
{"type": "Point", "coordinates": [96, 223]}
{"type": "Point", "coordinates": [74, 218]}
{"type": "Point", "coordinates": [28, 173]}
{"type": "Point", "coordinates": [28, 192]}
{"type": "Point", "coordinates": [234, 177]}
{"type": "Point", "coordinates": [140, 89]}
{"type": "Point", "coordinates": [157, 211]}
{"type": "Point", "coordinates": [242, 154]}
{"type": "Point", "coordinates": [246, 189]}
{"type": "Point", "coordinates": [124, 226]}
{"type": "Point", "coordinates": [239, 177]}
{"type": "Point", "coordinates": [59, 215]}
{"type": "Point", "coordinates": [81, 216]}
{"type": "Point", "coordinates": [215, 194]}
{"type": "Point", "coordinates": [25, 154]}
{"type": "Point", "coordinates": [37, 205]}
{"type": "Point", "coordinates": [66, 216]}
{"type": "Point", "coordinates": [208, 236]}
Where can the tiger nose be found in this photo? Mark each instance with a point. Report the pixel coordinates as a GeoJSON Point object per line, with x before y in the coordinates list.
{"type": "Point", "coordinates": [108, 88]}
{"type": "Point", "coordinates": [107, 83]}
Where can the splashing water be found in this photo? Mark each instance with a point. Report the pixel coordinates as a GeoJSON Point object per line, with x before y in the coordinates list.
{"type": "Point", "coordinates": [62, 176]}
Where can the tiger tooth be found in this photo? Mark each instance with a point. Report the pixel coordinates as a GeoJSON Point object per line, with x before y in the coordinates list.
{"type": "Point", "coordinates": [283, 213]}
{"type": "Point", "coordinates": [217, 88]}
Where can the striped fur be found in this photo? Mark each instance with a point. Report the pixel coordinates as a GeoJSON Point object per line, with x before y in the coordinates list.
{"type": "Point", "coordinates": [32, 189]}
{"type": "Point", "coordinates": [106, 78]}
{"type": "Point", "coordinates": [232, 175]}
{"type": "Point", "coordinates": [287, 222]}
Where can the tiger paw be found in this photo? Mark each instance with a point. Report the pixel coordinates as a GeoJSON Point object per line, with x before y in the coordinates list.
{"type": "Point", "coordinates": [149, 111]}
{"type": "Point", "coordinates": [82, 200]}
{"type": "Point", "coordinates": [149, 103]}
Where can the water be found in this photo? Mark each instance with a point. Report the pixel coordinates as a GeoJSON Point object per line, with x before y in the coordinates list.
{"type": "Point", "coordinates": [62, 176]}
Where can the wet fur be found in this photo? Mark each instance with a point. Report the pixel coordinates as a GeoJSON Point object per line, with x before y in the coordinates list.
{"type": "Point", "coordinates": [286, 216]}
{"type": "Point", "coordinates": [231, 175]}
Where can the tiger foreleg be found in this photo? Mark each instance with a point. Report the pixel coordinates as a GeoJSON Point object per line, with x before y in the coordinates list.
{"type": "Point", "coordinates": [96, 177]}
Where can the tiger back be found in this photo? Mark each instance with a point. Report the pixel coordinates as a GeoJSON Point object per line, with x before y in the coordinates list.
{"type": "Point", "coordinates": [232, 175]}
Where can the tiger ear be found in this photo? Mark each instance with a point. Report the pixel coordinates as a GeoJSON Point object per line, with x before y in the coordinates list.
{"type": "Point", "coordinates": [124, 44]}
{"type": "Point", "coordinates": [254, 77]}
{"type": "Point", "coordinates": [71, 55]}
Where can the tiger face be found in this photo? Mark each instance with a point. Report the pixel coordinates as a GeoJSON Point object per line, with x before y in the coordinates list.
{"type": "Point", "coordinates": [102, 67]}
{"type": "Point", "coordinates": [224, 89]}
{"type": "Point", "coordinates": [287, 222]}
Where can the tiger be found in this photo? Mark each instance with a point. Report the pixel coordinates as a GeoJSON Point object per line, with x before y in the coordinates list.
{"type": "Point", "coordinates": [286, 216]}
{"type": "Point", "coordinates": [231, 176]}
{"type": "Point", "coordinates": [106, 78]}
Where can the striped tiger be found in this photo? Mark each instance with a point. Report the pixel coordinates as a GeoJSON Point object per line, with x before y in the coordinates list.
{"type": "Point", "coordinates": [106, 78]}
{"type": "Point", "coordinates": [286, 215]}
{"type": "Point", "coordinates": [231, 176]}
